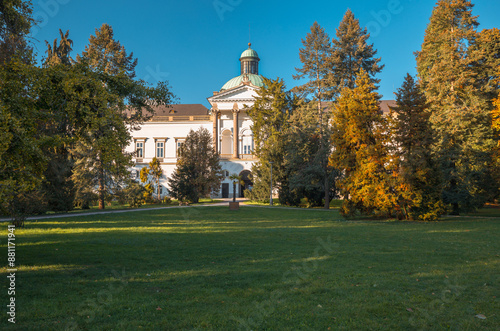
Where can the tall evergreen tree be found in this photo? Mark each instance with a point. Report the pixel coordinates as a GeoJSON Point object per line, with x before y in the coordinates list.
{"type": "Point", "coordinates": [416, 179]}
{"type": "Point", "coordinates": [57, 187]}
{"type": "Point", "coordinates": [57, 54]}
{"type": "Point", "coordinates": [108, 127]}
{"type": "Point", "coordinates": [21, 159]}
{"type": "Point", "coordinates": [360, 140]}
{"type": "Point", "coordinates": [270, 114]}
{"type": "Point", "coordinates": [460, 110]}
{"type": "Point", "coordinates": [315, 59]}
{"type": "Point", "coordinates": [485, 53]}
{"type": "Point", "coordinates": [198, 172]}
{"type": "Point", "coordinates": [16, 20]}
{"type": "Point", "coordinates": [306, 154]}
{"type": "Point", "coordinates": [351, 53]}
{"type": "Point", "coordinates": [105, 54]}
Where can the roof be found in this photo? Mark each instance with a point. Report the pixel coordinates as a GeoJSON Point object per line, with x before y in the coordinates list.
{"type": "Point", "coordinates": [196, 109]}
{"type": "Point", "coordinates": [385, 105]}
{"type": "Point", "coordinates": [249, 52]}
{"type": "Point", "coordinates": [256, 80]}
{"type": "Point", "coordinates": [177, 110]}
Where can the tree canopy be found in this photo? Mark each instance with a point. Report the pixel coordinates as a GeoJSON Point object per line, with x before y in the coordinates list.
{"type": "Point", "coordinates": [198, 172]}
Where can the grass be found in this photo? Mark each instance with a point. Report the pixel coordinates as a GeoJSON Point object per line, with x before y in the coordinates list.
{"type": "Point", "coordinates": [256, 268]}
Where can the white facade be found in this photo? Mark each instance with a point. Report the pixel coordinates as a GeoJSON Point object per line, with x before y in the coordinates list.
{"type": "Point", "coordinates": [227, 120]}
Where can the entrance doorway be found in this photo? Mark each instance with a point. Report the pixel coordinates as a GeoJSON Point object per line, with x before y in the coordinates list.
{"type": "Point", "coordinates": [225, 190]}
{"type": "Point", "coordinates": [246, 177]}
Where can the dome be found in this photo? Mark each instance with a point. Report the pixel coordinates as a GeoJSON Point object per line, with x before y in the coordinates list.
{"type": "Point", "coordinates": [249, 53]}
{"type": "Point", "coordinates": [249, 73]}
{"type": "Point", "coordinates": [253, 79]}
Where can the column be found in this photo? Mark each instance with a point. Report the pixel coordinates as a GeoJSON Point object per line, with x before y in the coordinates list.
{"type": "Point", "coordinates": [235, 133]}
{"type": "Point", "coordinates": [215, 134]}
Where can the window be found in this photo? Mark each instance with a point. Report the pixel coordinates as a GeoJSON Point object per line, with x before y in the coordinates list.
{"type": "Point", "coordinates": [160, 149]}
{"type": "Point", "coordinates": [178, 144]}
{"type": "Point", "coordinates": [247, 149]}
{"type": "Point", "coordinates": [247, 142]}
{"type": "Point", "coordinates": [139, 149]}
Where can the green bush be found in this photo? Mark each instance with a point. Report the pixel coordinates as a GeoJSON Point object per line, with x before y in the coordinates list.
{"type": "Point", "coordinates": [133, 194]}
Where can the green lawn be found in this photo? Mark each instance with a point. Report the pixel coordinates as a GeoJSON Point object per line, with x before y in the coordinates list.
{"type": "Point", "coordinates": [256, 268]}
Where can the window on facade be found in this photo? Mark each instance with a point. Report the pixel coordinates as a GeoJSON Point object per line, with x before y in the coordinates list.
{"type": "Point", "coordinates": [160, 149]}
{"type": "Point", "coordinates": [247, 142]}
{"type": "Point", "coordinates": [178, 145]}
{"type": "Point", "coordinates": [139, 149]}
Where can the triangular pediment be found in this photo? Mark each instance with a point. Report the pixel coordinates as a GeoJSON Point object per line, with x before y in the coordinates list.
{"type": "Point", "coordinates": [237, 94]}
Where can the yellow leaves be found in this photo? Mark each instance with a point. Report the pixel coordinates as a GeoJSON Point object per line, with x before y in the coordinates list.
{"type": "Point", "coordinates": [495, 114]}
{"type": "Point", "coordinates": [495, 118]}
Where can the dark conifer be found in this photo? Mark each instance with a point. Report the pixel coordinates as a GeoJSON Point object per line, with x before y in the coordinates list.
{"type": "Point", "coordinates": [459, 108]}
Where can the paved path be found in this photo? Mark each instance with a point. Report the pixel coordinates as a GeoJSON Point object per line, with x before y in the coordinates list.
{"type": "Point", "coordinates": [224, 203]}
{"type": "Point", "coordinates": [41, 217]}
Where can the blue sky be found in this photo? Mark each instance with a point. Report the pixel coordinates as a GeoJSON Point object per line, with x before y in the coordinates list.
{"type": "Point", "coordinates": [196, 44]}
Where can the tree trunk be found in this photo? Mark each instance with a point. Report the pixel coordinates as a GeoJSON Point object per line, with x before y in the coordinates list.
{"type": "Point", "coordinates": [101, 188]}
{"type": "Point", "coordinates": [158, 194]}
{"type": "Point", "coordinates": [327, 189]}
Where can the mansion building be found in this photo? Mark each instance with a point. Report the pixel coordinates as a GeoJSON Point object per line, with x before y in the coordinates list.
{"type": "Point", "coordinates": [227, 120]}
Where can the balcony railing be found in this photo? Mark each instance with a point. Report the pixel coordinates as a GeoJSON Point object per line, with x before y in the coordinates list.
{"type": "Point", "coordinates": [203, 118]}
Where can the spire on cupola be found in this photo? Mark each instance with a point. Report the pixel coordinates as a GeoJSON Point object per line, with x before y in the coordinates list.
{"type": "Point", "coordinates": [249, 61]}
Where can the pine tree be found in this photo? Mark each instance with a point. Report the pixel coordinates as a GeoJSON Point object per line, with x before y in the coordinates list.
{"type": "Point", "coordinates": [315, 59]}
{"type": "Point", "coordinates": [21, 158]}
{"type": "Point", "coordinates": [57, 186]}
{"type": "Point", "coordinates": [270, 114]}
{"type": "Point", "coordinates": [105, 54]}
{"type": "Point", "coordinates": [59, 54]}
{"type": "Point", "coordinates": [416, 179]}
{"type": "Point", "coordinates": [360, 140]}
{"type": "Point", "coordinates": [107, 127]}
{"type": "Point", "coordinates": [485, 53]}
{"type": "Point", "coordinates": [198, 172]}
{"type": "Point", "coordinates": [351, 53]}
{"type": "Point", "coordinates": [305, 154]}
{"type": "Point", "coordinates": [16, 20]}
{"type": "Point", "coordinates": [459, 108]}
